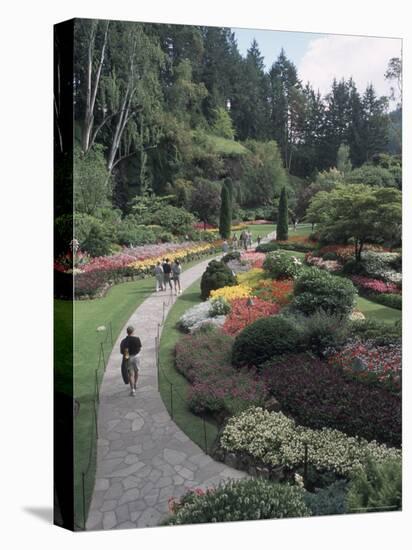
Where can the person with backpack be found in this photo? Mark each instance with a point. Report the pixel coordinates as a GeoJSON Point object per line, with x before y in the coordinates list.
{"type": "Point", "coordinates": [167, 271]}
{"type": "Point", "coordinates": [130, 348]}
{"type": "Point", "coordinates": [176, 271]}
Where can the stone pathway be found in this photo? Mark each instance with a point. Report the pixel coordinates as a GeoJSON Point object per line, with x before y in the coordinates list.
{"type": "Point", "coordinates": [143, 458]}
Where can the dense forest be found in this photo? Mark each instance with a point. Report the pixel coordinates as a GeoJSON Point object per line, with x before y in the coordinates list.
{"type": "Point", "coordinates": [165, 113]}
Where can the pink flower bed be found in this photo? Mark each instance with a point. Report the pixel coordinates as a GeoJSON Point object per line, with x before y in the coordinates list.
{"type": "Point", "coordinates": [375, 285]}
{"type": "Point", "coordinates": [256, 259]}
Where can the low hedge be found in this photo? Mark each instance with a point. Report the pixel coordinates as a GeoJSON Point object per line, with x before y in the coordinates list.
{"type": "Point", "coordinates": [319, 395]}
{"type": "Point", "coordinates": [241, 500]}
{"type": "Point", "coordinates": [265, 338]}
{"type": "Point", "coordinates": [389, 300]}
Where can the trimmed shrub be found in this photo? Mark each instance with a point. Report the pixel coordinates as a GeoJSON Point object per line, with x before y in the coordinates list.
{"type": "Point", "coordinates": [329, 500]}
{"type": "Point", "coordinates": [377, 488]}
{"type": "Point", "coordinates": [217, 275]}
{"type": "Point", "coordinates": [283, 224]}
{"type": "Point", "coordinates": [225, 220]}
{"type": "Point", "coordinates": [267, 247]}
{"type": "Point", "coordinates": [248, 499]}
{"type": "Point", "coordinates": [265, 338]}
{"type": "Point", "coordinates": [281, 265]}
{"type": "Point", "coordinates": [319, 395]}
{"type": "Point", "coordinates": [317, 289]}
{"type": "Point", "coordinates": [389, 300]}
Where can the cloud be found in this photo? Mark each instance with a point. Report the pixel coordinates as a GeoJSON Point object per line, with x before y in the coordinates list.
{"type": "Point", "coordinates": [365, 59]}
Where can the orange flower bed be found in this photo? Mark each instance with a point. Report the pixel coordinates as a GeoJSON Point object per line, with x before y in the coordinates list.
{"type": "Point", "coordinates": [279, 292]}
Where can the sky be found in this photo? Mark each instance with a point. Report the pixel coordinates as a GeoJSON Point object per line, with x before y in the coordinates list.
{"type": "Point", "coordinates": [321, 57]}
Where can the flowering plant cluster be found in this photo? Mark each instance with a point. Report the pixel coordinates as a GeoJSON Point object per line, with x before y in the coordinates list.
{"type": "Point", "coordinates": [232, 292]}
{"type": "Point", "coordinates": [317, 261]}
{"type": "Point", "coordinates": [317, 395]}
{"type": "Point", "coordinates": [255, 259]}
{"type": "Point", "coordinates": [367, 361]}
{"type": "Point", "coordinates": [242, 315]}
{"type": "Point", "coordinates": [385, 266]}
{"type": "Point", "coordinates": [252, 278]}
{"type": "Point", "coordinates": [204, 358]}
{"type": "Point", "coordinates": [346, 252]}
{"type": "Point", "coordinates": [276, 440]}
{"type": "Point", "coordinates": [281, 265]}
{"type": "Point", "coordinates": [271, 290]}
{"type": "Point", "coordinates": [69, 262]}
{"type": "Point", "coordinates": [375, 285]}
{"type": "Point", "coordinates": [239, 500]}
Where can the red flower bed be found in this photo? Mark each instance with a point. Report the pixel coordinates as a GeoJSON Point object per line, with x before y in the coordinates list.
{"type": "Point", "coordinates": [280, 292]}
{"type": "Point", "coordinates": [375, 285]}
{"type": "Point", "coordinates": [346, 252]}
{"type": "Point", "coordinates": [241, 316]}
{"type": "Point", "coordinates": [255, 259]}
{"type": "Point", "coordinates": [370, 362]}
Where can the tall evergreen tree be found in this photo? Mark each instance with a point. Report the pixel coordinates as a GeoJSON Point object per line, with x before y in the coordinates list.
{"type": "Point", "coordinates": [283, 222]}
{"type": "Point", "coordinates": [225, 220]}
{"type": "Point", "coordinates": [375, 124]}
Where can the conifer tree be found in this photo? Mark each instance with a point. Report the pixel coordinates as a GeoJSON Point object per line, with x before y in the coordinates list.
{"type": "Point", "coordinates": [282, 225]}
{"type": "Point", "coordinates": [225, 221]}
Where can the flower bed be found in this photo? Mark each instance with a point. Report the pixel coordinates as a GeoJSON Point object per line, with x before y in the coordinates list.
{"type": "Point", "coordinates": [375, 285]}
{"type": "Point", "coordinates": [232, 292]}
{"type": "Point", "coordinates": [367, 361]}
{"type": "Point", "coordinates": [274, 439]}
{"type": "Point", "coordinates": [255, 259]}
{"type": "Point", "coordinates": [204, 358]}
{"type": "Point", "coordinates": [242, 315]}
{"type": "Point", "coordinates": [251, 278]}
{"type": "Point", "coordinates": [346, 252]}
{"type": "Point", "coordinates": [270, 290]}
{"type": "Point", "coordinates": [317, 261]}
{"type": "Point", "coordinates": [318, 395]}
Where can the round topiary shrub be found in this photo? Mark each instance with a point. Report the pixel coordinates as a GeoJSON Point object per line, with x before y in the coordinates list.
{"type": "Point", "coordinates": [217, 275]}
{"type": "Point", "coordinates": [246, 499]}
{"type": "Point", "coordinates": [234, 255]}
{"type": "Point", "coordinates": [265, 338]}
{"type": "Point", "coordinates": [281, 265]}
{"type": "Point", "coordinates": [317, 289]}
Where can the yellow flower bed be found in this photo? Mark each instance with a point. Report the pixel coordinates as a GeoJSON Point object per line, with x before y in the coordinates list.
{"type": "Point", "coordinates": [232, 292]}
{"type": "Point", "coordinates": [149, 263]}
{"type": "Point", "coordinates": [251, 278]}
{"type": "Point", "coordinates": [238, 227]}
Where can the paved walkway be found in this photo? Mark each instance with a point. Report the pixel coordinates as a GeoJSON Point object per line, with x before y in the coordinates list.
{"type": "Point", "coordinates": [143, 458]}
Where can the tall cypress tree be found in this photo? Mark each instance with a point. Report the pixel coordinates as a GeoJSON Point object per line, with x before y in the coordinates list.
{"type": "Point", "coordinates": [225, 221]}
{"type": "Point", "coordinates": [282, 225]}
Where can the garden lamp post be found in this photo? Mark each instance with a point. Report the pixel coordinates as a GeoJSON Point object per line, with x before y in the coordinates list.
{"type": "Point", "coordinates": [249, 304]}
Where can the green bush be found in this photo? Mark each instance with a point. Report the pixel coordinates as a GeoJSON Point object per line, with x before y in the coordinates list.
{"type": "Point", "coordinates": [280, 265]}
{"type": "Point", "coordinates": [282, 225]}
{"type": "Point", "coordinates": [217, 275]}
{"type": "Point", "coordinates": [376, 488]}
{"type": "Point", "coordinates": [98, 240]}
{"type": "Point", "coordinates": [323, 330]}
{"type": "Point", "coordinates": [381, 333]}
{"type": "Point", "coordinates": [132, 234]}
{"type": "Point", "coordinates": [316, 289]}
{"type": "Point", "coordinates": [329, 500]}
{"type": "Point", "coordinates": [265, 338]}
{"type": "Point", "coordinates": [267, 247]}
{"type": "Point", "coordinates": [240, 500]}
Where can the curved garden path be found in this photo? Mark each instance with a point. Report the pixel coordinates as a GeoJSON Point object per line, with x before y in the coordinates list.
{"type": "Point", "coordinates": [143, 458]}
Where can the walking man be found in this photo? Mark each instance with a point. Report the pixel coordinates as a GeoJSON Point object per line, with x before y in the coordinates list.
{"type": "Point", "coordinates": [176, 271]}
{"type": "Point", "coordinates": [159, 277]}
{"type": "Point", "coordinates": [130, 348]}
{"type": "Point", "coordinates": [167, 270]}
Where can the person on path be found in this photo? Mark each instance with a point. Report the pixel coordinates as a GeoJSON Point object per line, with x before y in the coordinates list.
{"type": "Point", "coordinates": [258, 239]}
{"type": "Point", "coordinates": [159, 276]}
{"type": "Point", "coordinates": [234, 242]}
{"type": "Point", "coordinates": [176, 271]}
{"type": "Point", "coordinates": [249, 238]}
{"type": "Point", "coordinates": [130, 348]}
{"type": "Point", "coordinates": [167, 270]}
{"type": "Point", "coordinates": [225, 247]}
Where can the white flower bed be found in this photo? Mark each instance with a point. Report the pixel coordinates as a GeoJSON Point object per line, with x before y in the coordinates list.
{"type": "Point", "coordinates": [277, 440]}
{"type": "Point", "coordinates": [195, 315]}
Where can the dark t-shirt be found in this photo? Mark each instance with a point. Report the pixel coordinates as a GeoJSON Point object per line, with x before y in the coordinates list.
{"type": "Point", "coordinates": [167, 268]}
{"type": "Point", "coordinates": [132, 343]}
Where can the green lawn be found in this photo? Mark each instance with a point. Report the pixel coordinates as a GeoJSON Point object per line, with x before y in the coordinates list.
{"type": "Point", "coordinates": [372, 310]}
{"type": "Point", "coordinates": [173, 386]}
{"type": "Point", "coordinates": [256, 230]}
